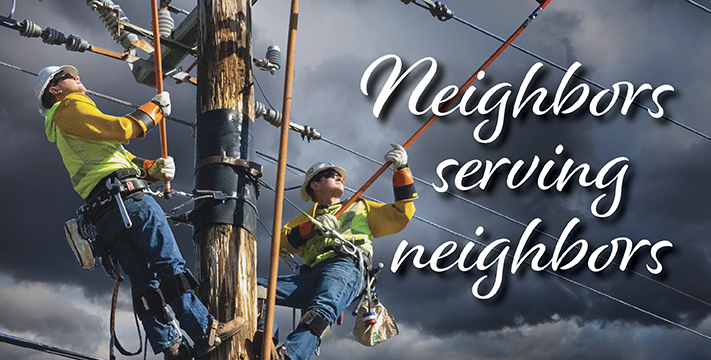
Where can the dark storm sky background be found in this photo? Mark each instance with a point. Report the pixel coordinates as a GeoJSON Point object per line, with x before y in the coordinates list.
{"type": "Point", "coordinates": [44, 296]}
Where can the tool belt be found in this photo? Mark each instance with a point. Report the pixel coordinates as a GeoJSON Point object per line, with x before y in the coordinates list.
{"type": "Point", "coordinates": [99, 200]}
{"type": "Point", "coordinates": [341, 252]}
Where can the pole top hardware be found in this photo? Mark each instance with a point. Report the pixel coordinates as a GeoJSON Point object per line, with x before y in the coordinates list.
{"type": "Point", "coordinates": [249, 167]}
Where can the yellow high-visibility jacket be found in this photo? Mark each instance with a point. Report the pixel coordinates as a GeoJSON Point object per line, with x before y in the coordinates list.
{"type": "Point", "coordinates": [360, 224]}
{"type": "Point", "coordinates": [90, 141]}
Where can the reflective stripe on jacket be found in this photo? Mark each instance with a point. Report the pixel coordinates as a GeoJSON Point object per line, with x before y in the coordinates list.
{"type": "Point", "coordinates": [361, 223]}
{"type": "Point", "coordinates": [89, 141]}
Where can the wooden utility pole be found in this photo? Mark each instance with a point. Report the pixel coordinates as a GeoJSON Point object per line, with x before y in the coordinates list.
{"type": "Point", "coordinates": [225, 223]}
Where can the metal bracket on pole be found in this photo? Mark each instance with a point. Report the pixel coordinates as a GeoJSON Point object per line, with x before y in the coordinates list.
{"type": "Point", "coordinates": [224, 151]}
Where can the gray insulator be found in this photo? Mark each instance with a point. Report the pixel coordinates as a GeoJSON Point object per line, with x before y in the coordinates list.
{"type": "Point", "coordinates": [110, 15]}
{"type": "Point", "coordinates": [274, 56]}
{"type": "Point", "coordinates": [75, 43]}
{"type": "Point", "coordinates": [271, 116]}
{"type": "Point", "coordinates": [53, 36]}
{"type": "Point", "coordinates": [30, 29]}
{"type": "Point", "coordinates": [440, 11]}
{"type": "Point", "coordinates": [165, 23]}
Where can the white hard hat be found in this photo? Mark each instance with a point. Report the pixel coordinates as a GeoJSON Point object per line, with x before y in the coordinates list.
{"type": "Point", "coordinates": [43, 79]}
{"type": "Point", "coordinates": [314, 170]}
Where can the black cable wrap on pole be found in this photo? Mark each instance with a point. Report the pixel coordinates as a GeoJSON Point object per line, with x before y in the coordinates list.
{"type": "Point", "coordinates": [228, 134]}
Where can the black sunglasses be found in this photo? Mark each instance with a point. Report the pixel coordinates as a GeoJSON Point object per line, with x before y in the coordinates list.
{"type": "Point", "coordinates": [327, 174]}
{"type": "Point", "coordinates": [61, 77]}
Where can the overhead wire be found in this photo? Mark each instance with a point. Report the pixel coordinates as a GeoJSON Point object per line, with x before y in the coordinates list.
{"type": "Point", "coordinates": [527, 262]}
{"type": "Point", "coordinates": [13, 340]}
{"type": "Point", "coordinates": [100, 95]}
{"type": "Point", "coordinates": [564, 69]}
{"type": "Point", "coordinates": [699, 6]}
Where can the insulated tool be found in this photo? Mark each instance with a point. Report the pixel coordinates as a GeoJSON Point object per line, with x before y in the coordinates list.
{"type": "Point", "coordinates": [462, 89]}
{"type": "Point", "coordinates": [114, 186]}
{"type": "Point", "coordinates": [158, 60]}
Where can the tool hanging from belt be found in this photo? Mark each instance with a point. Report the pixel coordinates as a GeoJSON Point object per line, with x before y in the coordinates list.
{"type": "Point", "coordinates": [118, 185]}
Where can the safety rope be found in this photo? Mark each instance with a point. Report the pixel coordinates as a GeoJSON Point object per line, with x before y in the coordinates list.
{"type": "Point", "coordinates": [527, 262]}
{"type": "Point", "coordinates": [28, 344]}
{"type": "Point", "coordinates": [699, 6]}
{"type": "Point", "coordinates": [114, 341]}
{"type": "Point", "coordinates": [102, 96]}
{"type": "Point", "coordinates": [437, 10]}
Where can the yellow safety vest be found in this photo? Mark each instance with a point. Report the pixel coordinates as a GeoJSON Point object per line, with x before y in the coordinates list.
{"type": "Point", "coordinates": [87, 161]}
{"type": "Point", "coordinates": [354, 228]}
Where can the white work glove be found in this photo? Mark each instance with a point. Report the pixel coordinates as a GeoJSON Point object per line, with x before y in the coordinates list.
{"type": "Point", "coordinates": [397, 156]}
{"type": "Point", "coordinates": [329, 222]}
{"type": "Point", "coordinates": [163, 100]}
{"type": "Point", "coordinates": [163, 169]}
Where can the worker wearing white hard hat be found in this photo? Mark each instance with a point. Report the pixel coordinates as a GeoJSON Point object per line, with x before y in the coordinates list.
{"type": "Point", "coordinates": [130, 226]}
{"type": "Point", "coordinates": [335, 272]}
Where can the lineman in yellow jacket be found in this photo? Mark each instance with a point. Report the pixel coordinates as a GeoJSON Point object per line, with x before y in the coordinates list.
{"type": "Point", "coordinates": [134, 230]}
{"type": "Point", "coordinates": [334, 277]}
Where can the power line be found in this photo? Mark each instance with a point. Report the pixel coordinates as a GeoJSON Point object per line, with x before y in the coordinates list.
{"type": "Point", "coordinates": [13, 340]}
{"type": "Point", "coordinates": [699, 6]}
{"type": "Point", "coordinates": [100, 95]}
{"type": "Point", "coordinates": [511, 257]}
{"type": "Point", "coordinates": [551, 63]}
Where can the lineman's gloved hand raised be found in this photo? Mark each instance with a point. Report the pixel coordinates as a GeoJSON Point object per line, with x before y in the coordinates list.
{"type": "Point", "coordinates": [329, 222]}
{"type": "Point", "coordinates": [163, 169]}
{"type": "Point", "coordinates": [163, 100]}
{"type": "Point", "coordinates": [397, 156]}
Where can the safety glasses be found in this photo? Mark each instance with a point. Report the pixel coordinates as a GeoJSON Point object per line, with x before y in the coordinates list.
{"type": "Point", "coordinates": [61, 77]}
{"type": "Point", "coordinates": [327, 174]}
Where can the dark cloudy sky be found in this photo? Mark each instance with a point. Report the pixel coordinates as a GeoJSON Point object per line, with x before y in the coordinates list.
{"type": "Point", "coordinates": [44, 296]}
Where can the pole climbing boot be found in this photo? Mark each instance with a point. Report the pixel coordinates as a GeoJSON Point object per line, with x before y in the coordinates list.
{"type": "Point", "coordinates": [220, 332]}
{"type": "Point", "coordinates": [178, 351]}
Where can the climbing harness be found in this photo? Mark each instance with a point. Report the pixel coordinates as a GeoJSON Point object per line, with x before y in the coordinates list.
{"type": "Point", "coordinates": [118, 185]}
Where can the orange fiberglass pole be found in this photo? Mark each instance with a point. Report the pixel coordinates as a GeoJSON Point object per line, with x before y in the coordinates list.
{"type": "Point", "coordinates": [158, 60]}
{"type": "Point", "coordinates": [444, 107]}
{"type": "Point", "coordinates": [267, 344]}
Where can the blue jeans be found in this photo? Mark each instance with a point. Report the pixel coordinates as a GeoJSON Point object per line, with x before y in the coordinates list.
{"type": "Point", "coordinates": [148, 253]}
{"type": "Point", "coordinates": [328, 289]}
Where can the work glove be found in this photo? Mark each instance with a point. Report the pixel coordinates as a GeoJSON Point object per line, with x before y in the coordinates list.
{"type": "Point", "coordinates": [397, 156]}
{"type": "Point", "coordinates": [163, 100]}
{"type": "Point", "coordinates": [329, 222]}
{"type": "Point", "coordinates": [163, 169]}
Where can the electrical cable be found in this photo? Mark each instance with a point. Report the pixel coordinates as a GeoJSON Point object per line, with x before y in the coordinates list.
{"type": "Point", "coordinates": [699, 6]}
{"type": "Point", "coordinates": [564, 69]}
{"type": "Point", "coordinates": [102, 96]}
{"type": "Point", "coordinates": [13, 340]}
{"type": "Point", "coordinates": [526, 262]}
{"type": "Point", "coordinates": [262, 91]}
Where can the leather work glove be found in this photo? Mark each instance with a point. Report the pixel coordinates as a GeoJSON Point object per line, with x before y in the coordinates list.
{"type": "Point", "coordinates": [163, 100]}
{"type": "Point", "coordinates": [163, 169]}
{"type": "Point", "coordinates": [329, 222]}
{"type": "Point", "coordinates": [397, 156]}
